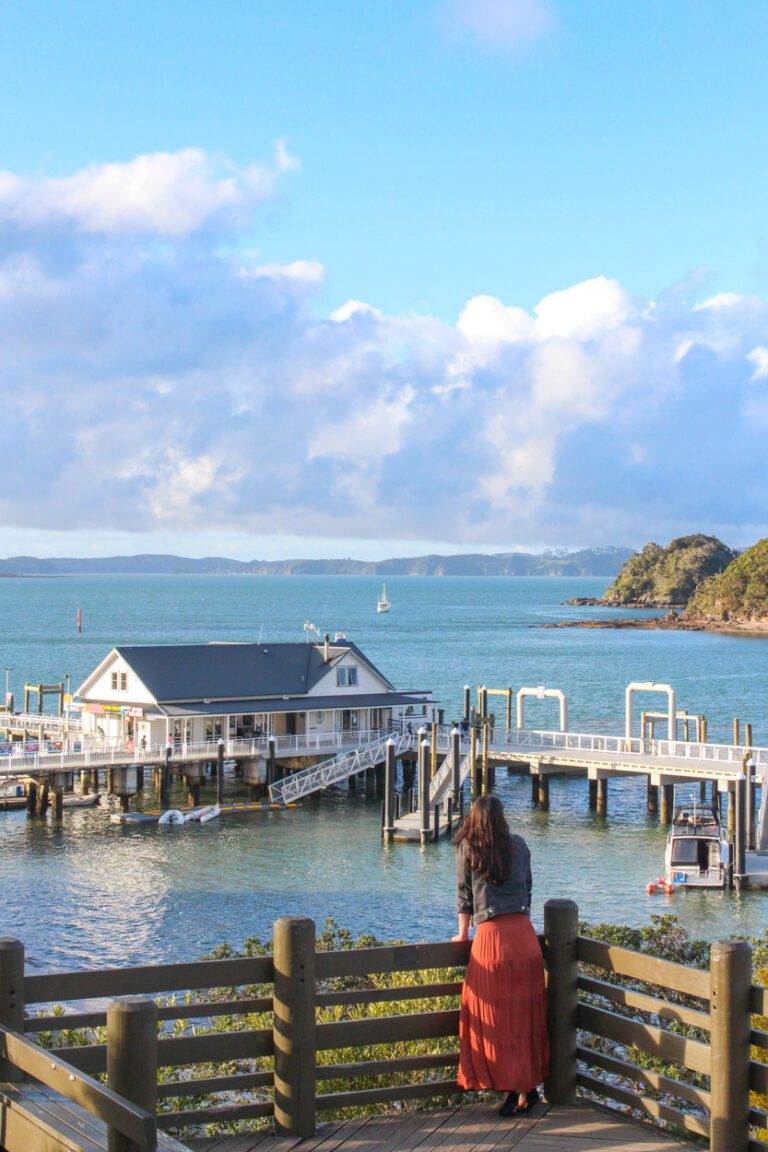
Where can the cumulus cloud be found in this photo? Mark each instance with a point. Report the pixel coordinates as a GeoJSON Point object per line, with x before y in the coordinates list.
{"type": "Point", "coordinates": [499, 24]}
{"type": "Point", "coordinates": [189, 385]}
{"type": "Point", "coordinates": [163, 193]}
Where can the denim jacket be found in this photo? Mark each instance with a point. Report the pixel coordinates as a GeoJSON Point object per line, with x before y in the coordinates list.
{"type": "Point", "coordinates": [483, 900]}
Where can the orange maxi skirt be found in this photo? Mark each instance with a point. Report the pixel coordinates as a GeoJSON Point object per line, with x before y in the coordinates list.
{"type": "Point", "coordinates": [503, 1019]}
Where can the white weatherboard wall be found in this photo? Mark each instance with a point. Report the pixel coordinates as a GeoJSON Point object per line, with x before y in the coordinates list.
{"type": "Point", "coordinates": [367, 680]}
{"type": "Point", "coordinates": [101, 690]}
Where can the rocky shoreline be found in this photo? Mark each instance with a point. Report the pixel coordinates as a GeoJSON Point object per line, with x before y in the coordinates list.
{"type": "Point", "coordinates": [669, 623]}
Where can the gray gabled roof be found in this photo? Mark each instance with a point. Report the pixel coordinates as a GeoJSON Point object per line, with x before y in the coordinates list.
{"type": "Point", "coordinates": [182, 672]}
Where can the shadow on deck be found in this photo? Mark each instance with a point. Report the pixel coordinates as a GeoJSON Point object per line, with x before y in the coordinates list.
{"type": "Point", "coordinates": [471, 1128]}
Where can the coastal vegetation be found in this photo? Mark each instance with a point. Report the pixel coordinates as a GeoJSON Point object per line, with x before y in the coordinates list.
{"type": "Point", "coordinates": [736, 596]}
{"type": "Point", "coordinates": [666, 577]}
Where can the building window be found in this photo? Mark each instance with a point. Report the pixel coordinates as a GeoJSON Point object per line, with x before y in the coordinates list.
{"type": "Point", "coordinates": [346, 677]}
{"type": "Point", "coordinates": [123, 681]}
{"type": "Point", "coordinates": [114, 681]}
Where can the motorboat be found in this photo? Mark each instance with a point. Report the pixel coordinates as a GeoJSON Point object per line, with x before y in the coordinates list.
{"type": "Point", "coordinates": [697, 852]}
{"type": "Point", "coordinates": [13, 794]}
{"type": "Point", "coordinates": [383, 604]}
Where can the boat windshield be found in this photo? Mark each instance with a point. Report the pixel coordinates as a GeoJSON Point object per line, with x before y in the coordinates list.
{"type": "Point", "coordinates": [685, 852]}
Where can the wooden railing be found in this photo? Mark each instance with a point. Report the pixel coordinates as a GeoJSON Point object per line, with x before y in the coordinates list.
{"type": "Point", "coordinates": [312, 1031]}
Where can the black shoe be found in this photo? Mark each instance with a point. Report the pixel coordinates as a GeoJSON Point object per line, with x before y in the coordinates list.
{"type": "Point", "coordinates": [509, 1107]}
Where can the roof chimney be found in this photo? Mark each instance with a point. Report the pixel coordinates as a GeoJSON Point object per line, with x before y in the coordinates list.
{"type": "Point", "coordinates": [326, 648]}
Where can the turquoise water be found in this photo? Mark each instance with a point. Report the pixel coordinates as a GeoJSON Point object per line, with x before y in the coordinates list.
{"type": "Point", "coordinates": [88, 892]}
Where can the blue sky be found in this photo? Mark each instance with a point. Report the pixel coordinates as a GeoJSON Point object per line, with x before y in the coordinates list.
{"type": "Point", "coordinates": [414, 157]}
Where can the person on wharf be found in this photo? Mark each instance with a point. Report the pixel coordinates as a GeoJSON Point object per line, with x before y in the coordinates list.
{"type": "Point", "coordinates": [502, 1023]}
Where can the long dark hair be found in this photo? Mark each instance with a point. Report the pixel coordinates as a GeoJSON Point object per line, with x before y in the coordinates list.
{"type": "Point", "coordinates": [486, 834]}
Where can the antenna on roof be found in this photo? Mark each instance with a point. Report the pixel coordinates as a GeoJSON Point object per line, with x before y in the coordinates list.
{"type": "Point", "coordinates": [312, 631]}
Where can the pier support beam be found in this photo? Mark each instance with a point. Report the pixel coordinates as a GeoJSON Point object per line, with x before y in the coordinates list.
{"type": "Point", "coordinates": [667, 803]}
{"type": "Point", "coordinates": [602, 797]}
{"type": "Point", "coordinates": [534, 787]}
{"type": "Point", "coordinates": [592, 786]}
{"type": "Point", "coordinates": [544, 791]}
{"type": "Point", "coordinates": [651, 796]}
{"type": "Point", "coordinates": [220, 772]}
{"type": "Point", "coordinates": [739, 833]}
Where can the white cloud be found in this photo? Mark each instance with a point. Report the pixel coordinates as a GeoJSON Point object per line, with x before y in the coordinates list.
{"type": "Point", "coordinates": [184, 387]}
{"type": "Point", "coordinates": [499, 24]}
{"type": "Point", "coordinates": [759, 357]}
{"type": "Point", "coordinates": [164, 193]}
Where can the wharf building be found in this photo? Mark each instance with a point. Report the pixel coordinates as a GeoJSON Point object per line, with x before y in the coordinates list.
{"type": "Point", "coordinates": [154, 695]}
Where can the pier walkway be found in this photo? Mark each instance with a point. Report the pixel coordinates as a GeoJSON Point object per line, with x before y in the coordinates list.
{"type": "Point", "coordinates": [471, 1128]}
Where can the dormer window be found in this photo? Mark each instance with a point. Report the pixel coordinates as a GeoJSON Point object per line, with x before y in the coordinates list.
{"type": "Point", "coordinates": [346, 676]}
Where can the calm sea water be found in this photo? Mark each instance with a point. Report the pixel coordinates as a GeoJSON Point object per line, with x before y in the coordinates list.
{"type": "Point", "coordinates": [88, 892]}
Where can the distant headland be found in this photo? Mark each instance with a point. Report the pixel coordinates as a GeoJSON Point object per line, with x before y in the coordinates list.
{"type": "Point", "coordinates": [559, 562]}
{"type": "Point", "coordinates": [703, 584]}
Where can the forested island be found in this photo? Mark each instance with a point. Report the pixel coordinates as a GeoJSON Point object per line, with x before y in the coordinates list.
{"type": "Point", "coordinates": [704, 585]}
{"type": "Point", "coordinates": [556, 562]}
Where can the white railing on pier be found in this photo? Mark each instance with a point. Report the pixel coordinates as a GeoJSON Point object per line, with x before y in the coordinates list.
{"type": "Point", "coordinates": [336, 769]}
{"type": "Point", "coordinates": [707, 755]}
{"type": "Point", "coordinates": [32, 722]}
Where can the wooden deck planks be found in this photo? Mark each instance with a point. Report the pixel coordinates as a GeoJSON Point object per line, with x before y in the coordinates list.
{"type": "Point", "coordinates": [470, 1128]}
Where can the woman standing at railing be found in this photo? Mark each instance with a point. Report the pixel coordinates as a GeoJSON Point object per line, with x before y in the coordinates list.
{"type": "Point", "coordinates": [502, 1026]}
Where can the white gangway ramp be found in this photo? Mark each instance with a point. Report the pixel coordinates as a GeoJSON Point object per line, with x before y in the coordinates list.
{"type": "Point", "coordinates": [337, 768]}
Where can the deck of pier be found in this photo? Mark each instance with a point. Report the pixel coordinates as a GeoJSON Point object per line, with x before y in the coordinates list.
{"type": "Point", "coordinates": [470, 1128]}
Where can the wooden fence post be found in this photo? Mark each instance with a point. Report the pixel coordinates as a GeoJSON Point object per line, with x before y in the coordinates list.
{"type": "Point", "coordinates": [294, 1027]}
{"type": "Point", "coordinates": [132, 1059]}
{"type": "Point", "coordinates": [11, 996]}
{"type": "Point", "coordinates": [561, 918]}
{"type": "Point", "coordinates": [730, 967]}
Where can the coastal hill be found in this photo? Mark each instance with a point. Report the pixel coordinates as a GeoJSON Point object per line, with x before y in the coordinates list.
{"type": "Point", "coordinates": [585, 562]}
{"type": "Point", "coordinates": [738, 596]}
{"type": "Point", "coordinates": [659, 577]}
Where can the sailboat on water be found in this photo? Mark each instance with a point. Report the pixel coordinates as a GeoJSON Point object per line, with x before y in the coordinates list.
{"type": "Point", "coordinates": [383, 604]}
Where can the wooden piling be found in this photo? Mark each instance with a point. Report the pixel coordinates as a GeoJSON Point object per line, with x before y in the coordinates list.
{"type": "Point", "coordinates": [561, 957]}
{"type": "Point", "coordinates": [467, 702]}
{"type": "Point", "coordinates": [602, 797]}
{"type": "Point", "coordinates": [730, 967]}
{"type": "Point", "coordinates": [220, 772]}
{"type": "Point", "coordinates": [543, 791]}
{"type": "Point", "coordinates": [11, 997]}
{"type": "Point", "coordinates": [667, 803]}
{"type": "Point", "coordinates": [388, 828]}
{"type": "Point", "coordinates": [45, 797]}
{"type": "Point", "coordinates": [739, 833]}
{"type": "Point", "coordinates": [32, 797]}
{"type": "Point", "coordinates": [731, 818]}
{"type": "Point", "coordinates": [509, 709]}
{"type": "Point", "coordinates": [456, 759]}
{"type": "Point", "coordinates": [132, 1059]}
{"type": "Point", "coordinates": [272, 760]}
{"type": "Point", "coordinates": [433, 757]}
{"type": "Point", "coordinates": [294, 1029]}
{"type": "Point", "coordinates": [485, 785]}
{"type": "Point", "coordinates": [474, 788]}
{"type": "Point", "coordinates": [165, 781]}
{"type": "Point", "coordinates": [424, 778]}
{"type": "Point", "coordinates": [736, 732]}
{"type": "Point", "coordinates": [534, 788]}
